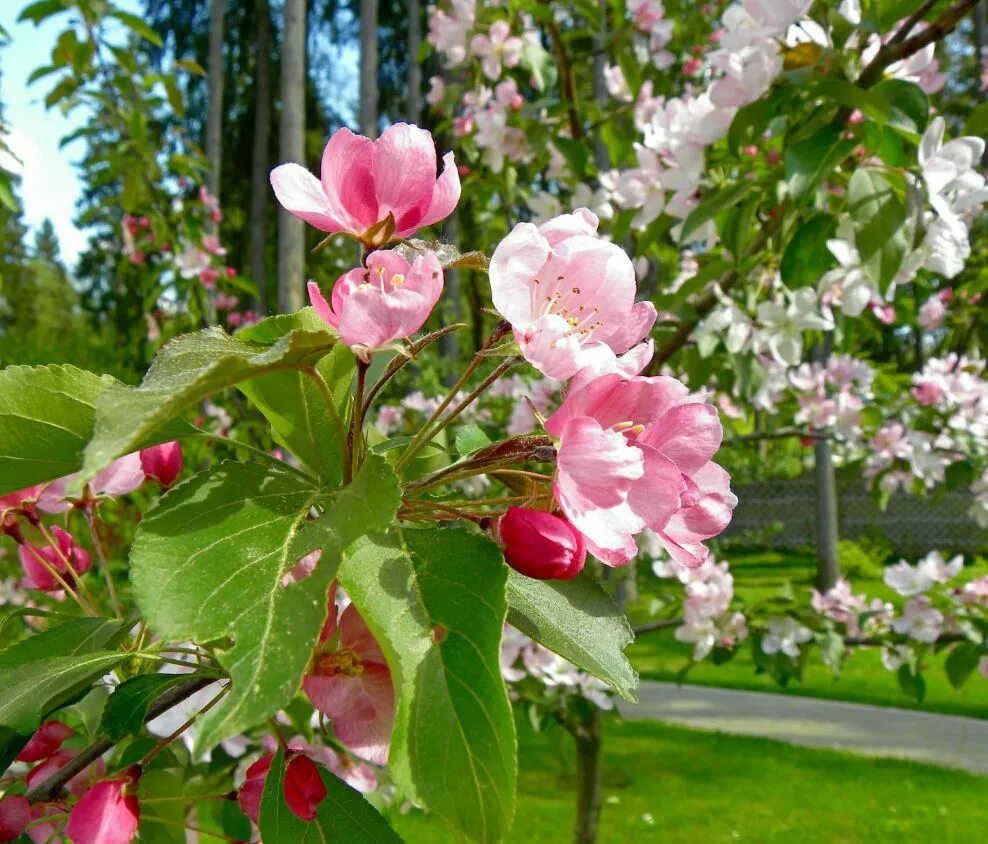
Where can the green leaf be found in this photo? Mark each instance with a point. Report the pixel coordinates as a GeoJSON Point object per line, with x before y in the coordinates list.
{"type": "Point", "coordinates": [911, 683]}
{"type": "Point", "coordinates": [185, 370]}
{"type": "Point", "coordinates": [910, 106]}
{"type": "Point", "coordinates": [46, 418]}
{"type": "Point", "coordinates": [37, 12]}
{"type": "Point", "coordinates": [576, 154]}
{"type": "Point", "coordinates": [806, 256]}
{"type": "Point", "coordinates": [7, 198]}
{"type": "Point", "coordinates": [869, 102]}
{"type": "Point", "coordinates": [961, 662]}
{"type": "Point", "coordinates": [128, 706]}
{"type": "Point", "coordinates": [435, 601]}
{"type": "Point", "coordinates": [809, 161]}
{"type": "Point", "coordinates": [880, 230]}
{"type": "Point", "coordinates": [577, 620]}
{"type": "Point", "coordinates": [208, 562]}
{"type": "Point", "coordinates": [138, 26]}
{"type": "Point", "coordinates": [80, 636]}
{"type": "Point", "coordinates": [977, 121]}
{"type": "Point", "coordinates": [296, 408]}
{"type": "Point", "coordinates": [343, 814]}
{"type": "Point", "coordinates": [711, 205]}
{"type": "Point", "coordinates": [28, 693]}
{"type": "Point", "coordinates": [471, 438]}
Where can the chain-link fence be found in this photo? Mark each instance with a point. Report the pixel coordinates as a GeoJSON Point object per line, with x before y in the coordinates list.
{"type": "Point", "coordinates": [782, 514]}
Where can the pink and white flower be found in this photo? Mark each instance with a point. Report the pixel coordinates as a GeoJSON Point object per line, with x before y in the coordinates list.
{"type": "Point", "coordinates": [351, 685]}
{"type": "Point", "coordinates": [365, 182]}
{"type": "Point", "coordinates": [498, 47]}
{"type": "Point", "coordinates": [382, 302]}
{"type": "Point", "coordinates": [636, 454]}
{"type": "Point", "coordinates": [569, 296]}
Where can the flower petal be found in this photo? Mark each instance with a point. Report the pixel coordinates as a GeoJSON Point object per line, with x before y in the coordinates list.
{"type": "Point", "coordinates": [300, 193]}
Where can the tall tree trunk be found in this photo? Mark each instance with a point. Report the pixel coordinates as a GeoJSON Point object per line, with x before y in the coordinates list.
{"type": "Point", "coordinates": [414, 68]}
{"type": "Point", "coordinates": [260, 191]}
{"type": "Point", "coordinates": [291, 147]}
{"type": "Point", "coordinates": [368, 68]}
{"type": "Point", "coordinates": [589, 783]}
{"type": "Point", "coordinates": [827, 559]}
{"type": "Point", "coordinates": [214, 108]}
{"type": "Point", "coordinates": [979, 49]}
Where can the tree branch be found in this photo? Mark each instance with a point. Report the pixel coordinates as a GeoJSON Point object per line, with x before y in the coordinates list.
{"type": "Point", "coordinates": [897, 50]}
{"type": "Point", "coordinates": [566, 82]}
{"type": "Point", "coordinates": [50, 788]}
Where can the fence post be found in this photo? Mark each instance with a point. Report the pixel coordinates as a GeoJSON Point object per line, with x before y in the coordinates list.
{"type": "Point", "coordinates": [827, 559]}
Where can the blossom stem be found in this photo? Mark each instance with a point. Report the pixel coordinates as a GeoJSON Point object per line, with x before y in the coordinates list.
{"type": "Point", "coordinates": [180, 825]}
{"type": "Point", "coordinates": [399, 361]}
{"type": "Point", "coordinates": [420, 438]}
{"type": "Point", "coordinates": [355, 438]}
{"type": "Point", "coordinates": [89, 511]}
{"type": "Point", "coordinates": [54, 572]}
{"type": "Point", "coordinates": [161, 745]}
{"type": "Point", "coordinates": [428, 433]}
{"type": "Point", "coordinates": [327, 396]}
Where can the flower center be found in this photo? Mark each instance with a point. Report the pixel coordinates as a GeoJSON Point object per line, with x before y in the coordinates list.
{"type": "Point", "coordinates": [565, 302]}
{"type": "Point", "coordinates": [342, 663]}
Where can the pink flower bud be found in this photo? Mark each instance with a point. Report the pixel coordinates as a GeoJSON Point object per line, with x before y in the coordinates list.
{"type": "Point", "coordinates": [692, 66]}
{"type": "Point", "coordinates": [541, 545]}
{"type": "Point", "coordinates": [15, 815]}
{"type": "Point", "coordinates": [855, 117]}
{"type": "Point", "coordinates": [145, 223]}
{"type": "Point", "coordinates": [751, 150]}
{"type": "Point", "coordinates": [46, 740]}
{"type": "Point", "coordinates": [303, 788]}
{"type": "Point", "coordinates": [38, 574]}
{"type": "Point", "coordinates": [162, 463]}
{"type": "Point", "coordinates": [108, 813]}
{"type": "Point", "coordinates": [208, 277]}
{"type": "Point", "coordinates": [231, 272]}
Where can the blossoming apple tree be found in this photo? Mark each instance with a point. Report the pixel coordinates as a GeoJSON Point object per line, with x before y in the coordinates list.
{"type": "Point", "coordinates": [302, 625]}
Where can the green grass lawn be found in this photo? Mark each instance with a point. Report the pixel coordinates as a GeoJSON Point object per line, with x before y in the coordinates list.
{"type": "Point", "coordinates": [758, 575]}
{"type": "Point", "coordinates": [670, 784]}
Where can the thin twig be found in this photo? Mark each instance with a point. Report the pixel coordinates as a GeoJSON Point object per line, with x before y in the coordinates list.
{"type": "Point", "coordinates": [90, 514]}
{"type": "Point", "coordinates": [50, 788]}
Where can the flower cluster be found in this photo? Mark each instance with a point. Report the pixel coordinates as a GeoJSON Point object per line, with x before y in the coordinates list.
{"type": "Point", "coordinates": [933, 610]}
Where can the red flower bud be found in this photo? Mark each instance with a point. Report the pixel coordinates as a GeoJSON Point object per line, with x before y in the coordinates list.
{"type": "Point", "coordinates": [15, 815]}
{"type": "Point", "coordinates": [541, 545]}
{"type": "Point", "coordinates": [304, 788]}
{"type": "Point", "coordinates": [46, 740]}
{"type": "Point", "coordinates": [162, 463]}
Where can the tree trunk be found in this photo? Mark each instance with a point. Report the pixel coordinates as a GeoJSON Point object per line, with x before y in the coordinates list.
{"type": "Point", "coordinates": [291, 147]}
{"type": "Point", "coordinates": [589, 783]}
{"type": "Point", "coordinates": [979, 50]}
{"type": "Point", "coordinates": [414, 68]}
{"type": "Point", "coordinates": [214, 112]}
{"type": "Point", "coordinates": [368, 68]}
{"type": "Point", "coordinates": [827, 559]}
{"type": "Point", "coordinates": [260, 191]}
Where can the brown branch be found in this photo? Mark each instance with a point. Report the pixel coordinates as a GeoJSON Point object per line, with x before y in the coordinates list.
{"type": "Point", "coordinates": [50, 788]}
{"type": "Point", "coordinates": [896, 51]}
{"type": "Point", "coordinates": [911, 22]}
{"type": "Point", "coordinates": [567, 82]}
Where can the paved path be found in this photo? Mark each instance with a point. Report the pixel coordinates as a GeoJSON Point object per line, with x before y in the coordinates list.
{"type": "Point", "coordinates": [948, 740]}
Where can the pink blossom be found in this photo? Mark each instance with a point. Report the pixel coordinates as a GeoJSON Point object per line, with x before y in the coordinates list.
{"type": "Point", "coordinates": [108, 813]}
{"type": "Point", "coordinates": [541, 545]}
{"type": "Point", "coordinates": [15, 815]}
{"type": "Point", "coordinates": [365, 182]}
{"type": "Point", "coordinates": [352, 686]}
{"type": "Point", "coordinates": [33, 559]}
{"type": "Point", "coordinates": [569, 296]}
{"type": "Point", "coordinates": [932, 313]}
{"type": "Point", "coordinates": [387, 300]}
{"type": "Point", "coordinates": [45, 741]}
{"type": "Point", "coordinates": [635, 454]}
{"type": "Point", "coordinates": [498, 47]}
{"type": "Point", "coordinates": [47, 833]}
{"type": "Point", "coordinates": [211, 243]}
{"type": "Point", "coordinates": [208, 277]}
{"type": "Point", "coordinates": [162, 463]}
{"type": "Point", "coordinates": [437, 90]}
{"type": "Point", "coordinates": [920, 621]}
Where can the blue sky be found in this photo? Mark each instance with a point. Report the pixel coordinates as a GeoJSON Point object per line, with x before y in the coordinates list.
{"type": "Point", "coordinates": [50, 185]}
